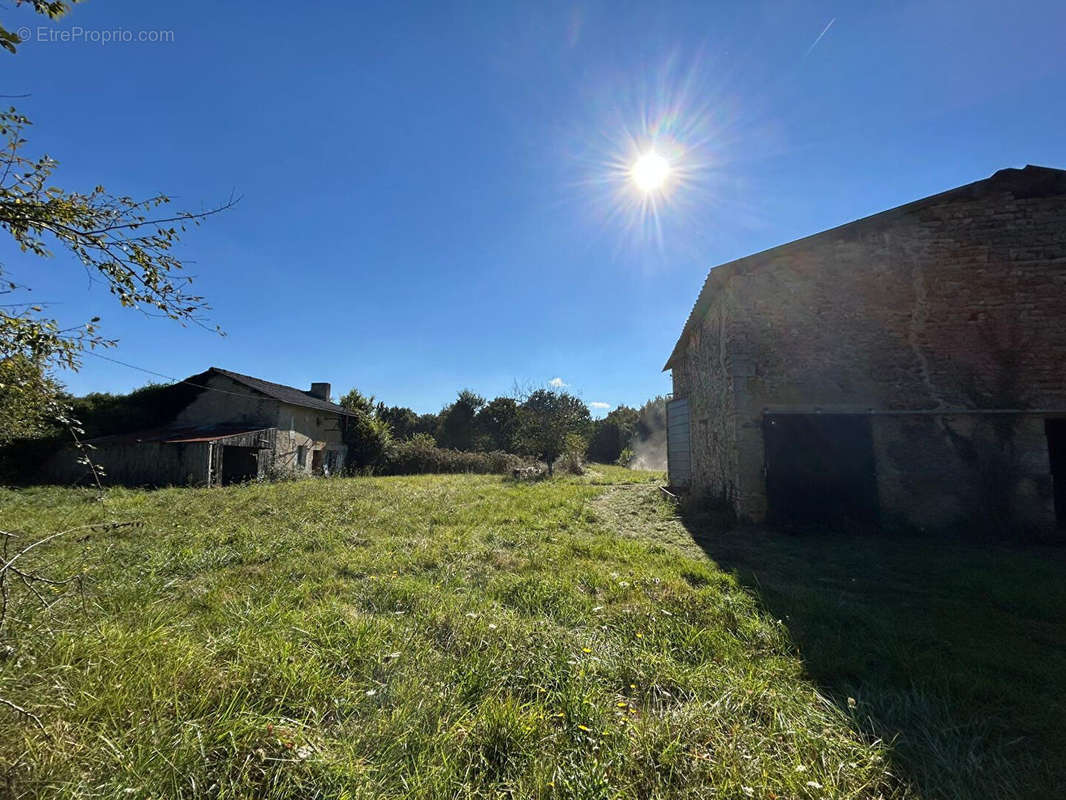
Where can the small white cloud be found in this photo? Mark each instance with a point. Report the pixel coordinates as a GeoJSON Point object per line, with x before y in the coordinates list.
{"type": "Point", "coordinates": [599, 406]}
{"type": "Point", "coordinates": [557, 383]}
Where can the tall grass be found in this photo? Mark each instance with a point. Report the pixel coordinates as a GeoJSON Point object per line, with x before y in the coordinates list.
{"type": "Point", "coordinates": [953, 651]}
{"type": "Point", "coordinates": [431, 636]}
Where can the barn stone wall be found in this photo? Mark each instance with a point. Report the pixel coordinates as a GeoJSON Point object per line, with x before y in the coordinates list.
{"type": "Point", "coordinates": [957, 301]}
{"type": "Point", "coordinates": [953, 472]}
{"type": "Point", "coordinates": [706, 379]}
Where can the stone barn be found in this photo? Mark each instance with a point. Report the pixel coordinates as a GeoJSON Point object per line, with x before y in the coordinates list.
{"type": "Point", "coordinates": [227, 428]}
{"type": "Point", "coordinates": [907, 369]}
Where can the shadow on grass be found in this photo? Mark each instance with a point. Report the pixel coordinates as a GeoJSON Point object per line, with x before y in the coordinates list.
{"type": "Point", "coordinates": [953, 653]}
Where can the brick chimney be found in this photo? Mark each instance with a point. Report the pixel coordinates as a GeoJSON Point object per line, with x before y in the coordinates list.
{"type": "Point", "coordinates": [320, 390]}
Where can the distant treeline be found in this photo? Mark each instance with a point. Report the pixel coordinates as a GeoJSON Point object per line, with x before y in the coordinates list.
{"type": "Point", "coordinates": [543, 424]}
{"type": "Point", "coordinates": [472, 423]}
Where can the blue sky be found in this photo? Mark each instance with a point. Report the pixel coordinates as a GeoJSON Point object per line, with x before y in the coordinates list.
{"type": "Point", "coordinates": [435, 196]}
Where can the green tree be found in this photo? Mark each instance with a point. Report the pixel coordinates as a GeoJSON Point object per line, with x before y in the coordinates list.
{"type": "Point", "coordinates": [151, 406]}
{"type": "Point", "coordinates": [368, 439]}
{"type": "Point", "coordinates": [612, 434]}
{"type": "Point", "coordinates": [403, 421]}
{"type": "Point", "coordinates": [456, 427]}
{"type": "Point", "coordinates": [427, 425]}
{"type": "Point", "coordinates": [496, 423]}
{"type": "Point", "coordinates": [357, 401]}
{"type": "Point", "coordinates": [121, 241]}
{"type": "Point", "coordinates": [26, 398]}
{"type": "Point", "coordinates": [651, 419]}
{"type": "Point", "coordinates": [546, 418]}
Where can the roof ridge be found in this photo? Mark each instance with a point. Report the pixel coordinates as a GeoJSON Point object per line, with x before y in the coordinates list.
{"type": "Point", "coordinates": [262, 380]}
{"type": "Point", "coordinates": [282, 392]}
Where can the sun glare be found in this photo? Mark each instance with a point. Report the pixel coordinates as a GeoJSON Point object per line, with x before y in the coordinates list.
{"type": "Point", "coordinates": [650, 172]}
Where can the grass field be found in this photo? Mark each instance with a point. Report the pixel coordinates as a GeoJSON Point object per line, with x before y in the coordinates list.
{"type": "Point", "coordinates": [466, 636]}
{"type": "Point", "coordinates": [954, 653]}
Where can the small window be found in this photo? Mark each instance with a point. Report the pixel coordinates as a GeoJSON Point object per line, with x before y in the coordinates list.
{"type": "Point", "coordinates": [301, 457]}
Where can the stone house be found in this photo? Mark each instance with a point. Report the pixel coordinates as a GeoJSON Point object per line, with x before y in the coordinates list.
{"type": "Point", "coordinates": [906, 369]}
{"type": "Point", "coordinates": [230, 428]}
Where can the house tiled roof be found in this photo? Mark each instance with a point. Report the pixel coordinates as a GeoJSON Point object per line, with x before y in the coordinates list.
{"type": "Point", "coordinates": [286, 394]}
{"type": "Point", "coordinates": [1030, 181]}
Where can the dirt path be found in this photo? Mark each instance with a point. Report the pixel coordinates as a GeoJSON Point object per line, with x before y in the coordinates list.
{"type": "Point", "coordinates": [639, 511]}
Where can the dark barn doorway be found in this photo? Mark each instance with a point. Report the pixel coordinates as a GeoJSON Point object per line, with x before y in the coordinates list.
{"type": "Point", "coordinates": [1056, 450]}
{"type": "Point", "coordinates": [820, 469]}
{"type": "Point", "coordinates": [239, 464]}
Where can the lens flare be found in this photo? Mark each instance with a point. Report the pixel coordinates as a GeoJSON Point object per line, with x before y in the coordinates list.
{"type": "Point", "coordinates": [650, 172]}
{"type": "Point", "coordinates": [657, 158]}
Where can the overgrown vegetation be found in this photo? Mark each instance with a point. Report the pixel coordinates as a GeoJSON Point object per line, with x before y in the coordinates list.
{"type": "Point", "coordinates": [436, 637]}
{"type": "Point", "coordinates": [26, 398]}
{"type": "Point", "coordinates": [472, 435]}
{"type": "Point", "coordinates": [536, 423]}
{"type": "Point", "coordinates": [420, 455]}
{"type": "Point", "coordinates": [31, 432]}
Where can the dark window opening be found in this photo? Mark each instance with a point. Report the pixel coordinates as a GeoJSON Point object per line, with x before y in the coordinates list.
{"type": "Point", "coordinates": [820, 469]}
{"type": "Point", "coordinates": [1056, 449]}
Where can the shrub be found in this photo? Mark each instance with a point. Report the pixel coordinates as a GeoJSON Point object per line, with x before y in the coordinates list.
{"type": "Point", "coordinates": [419, 455]}
{"type": "Point", "coordinates": [573, 458]}
{"type": "Point", "coordinates": [570, 463]}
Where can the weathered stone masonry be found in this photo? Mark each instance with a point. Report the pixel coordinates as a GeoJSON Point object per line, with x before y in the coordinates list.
{"type": "Point", "coordinates": [234, 427]}
{"type": "Point", "coordinates": [948, 306]}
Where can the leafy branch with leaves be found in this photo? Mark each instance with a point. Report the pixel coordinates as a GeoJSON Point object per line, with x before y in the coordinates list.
{"type": "Point", "coordinates": [116, 238]}
{"type": "Point", "coordinates": [53, 9]}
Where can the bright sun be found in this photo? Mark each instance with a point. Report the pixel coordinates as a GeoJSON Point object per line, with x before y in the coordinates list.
{"type": "Point", "coordinates": [650, 171]}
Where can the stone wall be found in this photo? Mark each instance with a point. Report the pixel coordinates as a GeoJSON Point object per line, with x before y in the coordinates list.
{"type": "Point", "coordinates": [150, 463]}
{"type": "Point", "coordinates": [706, 379]}
{"type": "Point", "coordinates": [953, 472]}
{"type": "Point", "coordinates": [296, 426]}
{"type": "Point", "coordinates": [230, 403]}
{"type": "Point", "coordinates": [306, 427]}
{"type": "Point", "coordinates": [957, 301]}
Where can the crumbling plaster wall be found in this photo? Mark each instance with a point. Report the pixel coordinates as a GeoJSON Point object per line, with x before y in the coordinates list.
{"type": "Point", "coordinates": [306, 427]}
{"type": "Point", "coordinates": [297, 426]}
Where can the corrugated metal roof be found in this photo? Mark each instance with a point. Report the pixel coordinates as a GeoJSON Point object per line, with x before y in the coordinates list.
{"type": "Point", "coordinates": [1031, 179]}
{"type": "Point", "coordinates": [202, 433]}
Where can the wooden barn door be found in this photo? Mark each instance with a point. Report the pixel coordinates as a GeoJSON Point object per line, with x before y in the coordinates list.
{"type": "Point", "coordinates": [678, 443]}
{"type": "Point", "coordinates": [820, 469]}
{"type": "Point", "coordinates": [1056, 445]}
